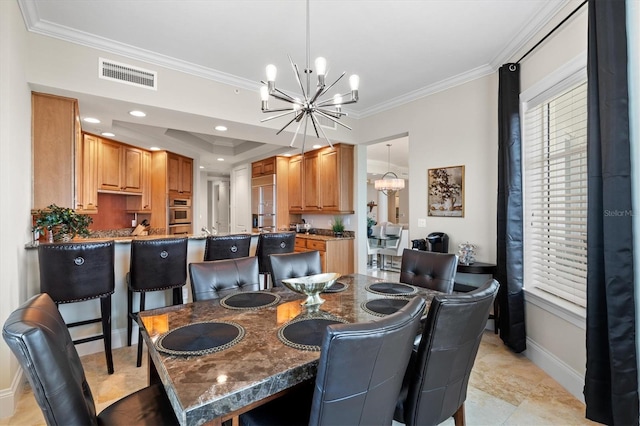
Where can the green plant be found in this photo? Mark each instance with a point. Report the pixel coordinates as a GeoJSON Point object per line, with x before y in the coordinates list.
{"type": "Point", "coordinates": [370, 222]}
{"type": "Point", "coordinates": [62, 221]}
{"type": "Point", "coordinates": [338, 224]}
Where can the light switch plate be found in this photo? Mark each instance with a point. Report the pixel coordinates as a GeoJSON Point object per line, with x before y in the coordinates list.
{"type": "Point", "coordinates": [422, 223]}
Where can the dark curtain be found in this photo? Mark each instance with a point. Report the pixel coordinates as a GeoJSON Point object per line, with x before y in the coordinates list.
{"type": "Point", "coordinates": [611, 385]}
{"type": "Point", "coordinates": [509, 240]}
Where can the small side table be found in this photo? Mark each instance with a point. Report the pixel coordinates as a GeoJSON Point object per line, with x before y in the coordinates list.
{"type": "Point", "coordinates": [479, 268]}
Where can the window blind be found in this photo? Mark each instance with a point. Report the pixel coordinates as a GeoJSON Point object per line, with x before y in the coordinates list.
{"type": "Point", "coordinates": [555, 169]}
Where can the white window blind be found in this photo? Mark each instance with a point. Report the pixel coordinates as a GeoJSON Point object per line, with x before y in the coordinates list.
{"type": "Point", "coordinates": [555, 170]}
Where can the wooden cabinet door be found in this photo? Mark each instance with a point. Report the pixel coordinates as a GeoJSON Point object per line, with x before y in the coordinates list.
{"type": "Point", "coordinates": [173, 173]}
{"type": "Point", "coordinates": [311, 182]}
{"type": "Point", "coordinates": [131, 169]}
{"type": "Point", "coordinates": [179, 174]}
{"type": "Point", "coordinates": [146, 181]}
{"type": "Point", "coordinates": [89, 195]}
{"type": "Point", "coordinates": [109, 173]}
{"type": "Point", "coordinates": [330, 190]}
{"type": "Point", "coordinates": [295, 184]}
{"type": "Point", "coordinates": [186, 175]}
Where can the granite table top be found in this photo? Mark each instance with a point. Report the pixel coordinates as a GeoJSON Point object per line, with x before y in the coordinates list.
{"type": "Point", "coordinates": [219, 385]}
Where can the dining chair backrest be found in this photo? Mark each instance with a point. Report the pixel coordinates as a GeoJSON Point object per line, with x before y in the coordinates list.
{"type": "Point", "coordinates": [218, 278]}
{"type": "Point", "coordinates": [40, 340]}
{"type": "Point", "coordinates": [395, 247]}
{"type": "Point", "coordinates": [158, 264]}
{"type": "Point", "coordinates": [435, 271]}
{"type": "Point", "coordinates": [218, 247]}
{"type": "Point", "coordinates": [273, 243]}
{"type": "Point", "coordinates": [361, 368]}
{"type": "Point", "coordinates": [294, 265]}
{"type": "Point", "coordinates": [376, 231]}
{"type": "Point", "coordinates": [436, 380]}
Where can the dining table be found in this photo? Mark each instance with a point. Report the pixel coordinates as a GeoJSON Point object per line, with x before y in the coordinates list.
{"type": "Point", "coordinates": [260, 361]}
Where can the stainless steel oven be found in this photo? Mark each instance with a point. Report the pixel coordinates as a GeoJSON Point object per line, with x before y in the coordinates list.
{"type": "Point", "coordinates": [179, 211]}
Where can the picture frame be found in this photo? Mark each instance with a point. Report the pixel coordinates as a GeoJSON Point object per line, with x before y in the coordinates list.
{"type": "Point", "coordinates": [445, 191]}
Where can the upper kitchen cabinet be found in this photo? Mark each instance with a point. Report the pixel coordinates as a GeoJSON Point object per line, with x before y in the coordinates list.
{"type": "Point", "coordinates": [263, 167]}
{"type": "Point", "coordinates": [179, 174]}
{"type": "Point", "coordinates": [119, 168]}
{"type": "Point", "coordinates": [56, 138]}
{"type": "Point", "coordinates": [89, 189]}
{"type": "Point", "coordinates": [321, 181]}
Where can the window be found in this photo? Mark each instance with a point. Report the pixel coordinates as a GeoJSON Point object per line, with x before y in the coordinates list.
{"type": "Point", "coordinates": [555, 189]}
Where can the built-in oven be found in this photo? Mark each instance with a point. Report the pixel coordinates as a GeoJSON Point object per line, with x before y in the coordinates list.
{"type": "Point", "coordinates": [179, 211]}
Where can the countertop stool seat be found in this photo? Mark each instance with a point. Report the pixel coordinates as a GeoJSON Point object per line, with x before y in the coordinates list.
{"type": "Point", "coordinates": [273, 243]}
{"type": "Point", "coordinates": [77, 272]}
{"type": "Point", "coordinates": [219, 247]}
{"type": "Point", "coordinates": [156, 265]}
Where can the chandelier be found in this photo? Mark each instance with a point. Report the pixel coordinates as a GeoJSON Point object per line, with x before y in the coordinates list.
{"type": "Point", "coordinates": [390, 181]}
{"type": "Point", "coordinates": [310, 106]}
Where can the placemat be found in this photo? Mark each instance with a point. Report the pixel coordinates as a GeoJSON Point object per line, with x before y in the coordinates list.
{"type": "Point", "coordinates": [391, 289]}
{"type": "Point", "coordinates": [200, 338]}
{"type": "Point", "coordinates": [384, 306]}
{"type": "Point", "coordinates": [336, 287]}
{"type": "Point", "coordinates": [249, 300]}
{"type": "Point", "coordinates": [306, 333]}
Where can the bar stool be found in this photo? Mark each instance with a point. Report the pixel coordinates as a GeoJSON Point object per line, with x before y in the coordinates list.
{"type": "Point", "coordinates": [219, 247]}
{"type": "Point", "coordinates": [273, 243]}
{"type": "Point", "coordinates": [155, 265]}
{"type": "Point", "coordinates": [76, 272]}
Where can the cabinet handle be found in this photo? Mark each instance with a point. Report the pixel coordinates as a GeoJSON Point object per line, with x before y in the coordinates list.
{"type": "Point", "coordinates": [146, 207]}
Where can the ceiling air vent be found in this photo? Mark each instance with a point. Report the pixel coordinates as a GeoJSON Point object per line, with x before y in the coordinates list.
{"type": "Point", "coordinates": [128, 74]}
{"type": "Point", "coordinates": [326, 123]}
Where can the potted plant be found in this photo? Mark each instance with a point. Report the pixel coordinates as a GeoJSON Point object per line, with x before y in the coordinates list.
{"type": "Point", "coordinates": [61, 223]}
{"type": "Point", "coordinates": [338, 226]}
{"type": "Point", "coordinates": [370, 223]}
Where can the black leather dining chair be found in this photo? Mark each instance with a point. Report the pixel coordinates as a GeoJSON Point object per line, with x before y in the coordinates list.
{"type": "Point", "coordinates": [77, 272]}
{"type": "Point", "coordinates": [273, 243]}
{"type": "Point", "coordinates": [359, 375]}
{"type": "Point", "coordinates": [293, 265]}
{"type": "Point", "coordinates": [40, 340]}
{"type": "Point", "coordinates": [435, 385]}
{"type": "Point", "coordinates": [218, 247]}
{"type": "Point", "coordinates": [156, 265]}
{"type": "Point", "coordinates": [217, 278]}
{"type": "Point", "coordinates": [435, 271]}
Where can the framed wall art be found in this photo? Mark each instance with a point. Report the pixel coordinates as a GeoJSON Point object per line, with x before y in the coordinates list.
{"type": "Point", "coordinates": [445, 191]}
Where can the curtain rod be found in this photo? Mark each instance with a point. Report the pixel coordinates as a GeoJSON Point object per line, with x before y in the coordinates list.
{"type": "Point", "coordinates": [552, 31]}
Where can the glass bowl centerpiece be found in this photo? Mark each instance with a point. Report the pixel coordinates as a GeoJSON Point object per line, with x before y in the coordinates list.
{"type": "Point", "coordinates": [311, 286]}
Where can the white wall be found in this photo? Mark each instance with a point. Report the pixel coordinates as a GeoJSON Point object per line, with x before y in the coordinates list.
{"type": "Point", "coordinates": [15, 192]}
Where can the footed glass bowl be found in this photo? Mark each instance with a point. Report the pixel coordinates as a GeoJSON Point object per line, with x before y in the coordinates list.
{"type": "Point", "coordinates": [311, 286]}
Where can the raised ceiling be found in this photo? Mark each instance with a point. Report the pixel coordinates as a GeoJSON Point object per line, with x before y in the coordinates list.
{"type": "Point", "coordinates": [402, 50]}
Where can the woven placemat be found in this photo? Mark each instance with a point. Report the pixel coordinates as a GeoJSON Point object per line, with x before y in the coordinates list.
{"type": "Point", "coordinates": [336, 287]}
{"type": "Point", "coordinates": [200, 338]}
{"type": "Point", "coordinates": [384, 306]}
{"type": "Point", "coordinates": [391, 289]}
{"type": "Point", "coordinates": [306, 333]}
{"type": "Point", "coordinates": [250, 300]}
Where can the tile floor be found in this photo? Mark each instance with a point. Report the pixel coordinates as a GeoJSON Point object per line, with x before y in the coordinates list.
{"type": "Point", "coordinates": [505, 388]}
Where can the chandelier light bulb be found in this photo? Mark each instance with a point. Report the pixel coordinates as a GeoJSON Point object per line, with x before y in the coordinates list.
{"type": "Point", "coordinates": [354, 82]}
{"type": "Point", "coordinates": [264, 93]}
{"type": "Point", "coordinates": [337, 100]}
{"type": "Point", "coordinates": [321, 65]}
{"type": "Point", "coordinates": [272, 71]}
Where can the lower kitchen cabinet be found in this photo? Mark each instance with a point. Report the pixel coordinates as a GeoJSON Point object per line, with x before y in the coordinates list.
{"type": "Point", "coordinates": [336, 254]}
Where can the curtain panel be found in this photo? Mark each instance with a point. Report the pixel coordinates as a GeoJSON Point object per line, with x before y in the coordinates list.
{"type": "Point", "coordinates": [509, 222]}
{"type": "Point", "coordinates": [611, 384]}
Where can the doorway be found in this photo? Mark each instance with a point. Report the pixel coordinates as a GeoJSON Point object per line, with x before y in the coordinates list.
{"type": "Point", "coordinates": [218, 211]}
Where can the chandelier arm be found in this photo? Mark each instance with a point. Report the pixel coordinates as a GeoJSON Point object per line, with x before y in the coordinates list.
{"type": "Point", "coordinates": [333, 119]}
{"type": "Point", "coordinates": [304, 135]}
{"type": "Point", "coordinates": [319, 92]}
{"type": "Point", "coordinates": [297, 130]}
{"type": "Point", "coordinates": [286, 125]}
{"type": "Point", "coordinates": [315, 127]}
{"type": "Point", "coordinates": [277, 116]}
{"type": "Point", "coordinates": [278, 110]}
{"type": "Point", "coordinates": [285, 96]}
{"type": "Point", "coordinates": [329, 88]}
{"type": "Point", "coordinates": [322, 131]}
{"type": "Point", "coordinates": [332, 113]}
{"type": "Point", "coordinates": [296, 71]}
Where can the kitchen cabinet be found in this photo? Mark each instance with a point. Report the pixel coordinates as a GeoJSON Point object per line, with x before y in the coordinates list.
{"type": "Point", "coordinates": [89, 195]}
{"type": "Point", "coordinates": [119, 168]}
{"type": "Point", "coordinates": [180, 174]}
{"type": "Point", "coordinates": [263, 167]}
{"type": "Point", "coordinates": [321, 181]}
{"type": "Point", "coordinates": [336, 254]}
{"type": "Point", "coordinates": [56, 138]}
{"type": "Point", "coordinates": [142, 204]}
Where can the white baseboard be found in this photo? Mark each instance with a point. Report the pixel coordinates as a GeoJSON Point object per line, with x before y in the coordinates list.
{"type": "Point", "coordinates": [9, 397]}
{"type": "Point", "coordinates": [556, 368]}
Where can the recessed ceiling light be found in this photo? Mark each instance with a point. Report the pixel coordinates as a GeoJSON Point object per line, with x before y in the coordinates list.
{"type": "Point", "coordinates": [220, 159]}
{"type": "Point", "coordinates": [221, 128]}
{"type": "Point", "coordinates": [136, 113]}
{"type": "Point", "coordinates": [91, 120]}
{"type": "Point", "coordinates": [287, 155]}
{"type": "Point", "coordinates": [108, 134]}
{"type": "Point", "coordinates": [317, 146]}
{"type": "Point", "coordinates": [202, 167]}
{"type": "Point", "coordinates": [154, 148]}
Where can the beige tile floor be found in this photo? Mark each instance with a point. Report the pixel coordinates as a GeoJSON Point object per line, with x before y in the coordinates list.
{"type": "Point", "coordinates": [505, 389]}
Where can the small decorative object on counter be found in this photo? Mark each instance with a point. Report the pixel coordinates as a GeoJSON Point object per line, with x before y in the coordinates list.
{"type": "Point", "coordinates": [61, 223]}
{"type": "Point", "coordinates": [466, 253]}
{"type": "Point", "coordinates": [370, 224]}
{"type": "Point", "coordinates": [338, 226]}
